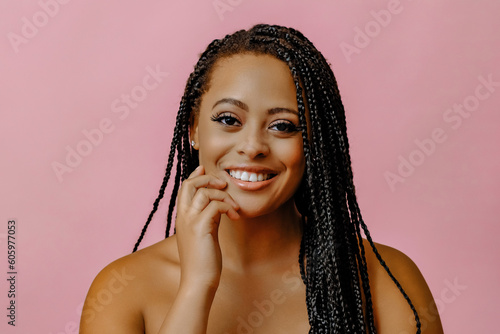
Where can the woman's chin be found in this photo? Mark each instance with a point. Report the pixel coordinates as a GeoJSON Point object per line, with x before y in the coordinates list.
{"type": "Point", "coordinates": [254, 210]}
{"type": "Point", "coordinates": [260, 210]}
{"type": "Point", "coordinates": [251, 213]}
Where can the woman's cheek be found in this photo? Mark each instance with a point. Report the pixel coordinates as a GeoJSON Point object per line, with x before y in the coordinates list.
{"type": "Point", "coordinates": [212, 147]}
{"type": "Point", "coordinates": [293, 154]}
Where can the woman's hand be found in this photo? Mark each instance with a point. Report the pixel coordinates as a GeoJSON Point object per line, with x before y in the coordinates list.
{"type": "Point", "coordinates": [200, 204]}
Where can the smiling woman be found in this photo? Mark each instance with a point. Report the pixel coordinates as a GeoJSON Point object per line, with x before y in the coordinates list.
{"type": "Point", "coordinates": [268, 231]}
{"type": "Point", "coordinates": [248, 126]}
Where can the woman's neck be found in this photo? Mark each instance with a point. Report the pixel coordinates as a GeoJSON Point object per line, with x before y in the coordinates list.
{"type": "Point", "coordinates": [250, 245]}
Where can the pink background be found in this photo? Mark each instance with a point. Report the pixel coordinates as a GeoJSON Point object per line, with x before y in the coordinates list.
{"type": "Point", "coordinates": [397, 88]}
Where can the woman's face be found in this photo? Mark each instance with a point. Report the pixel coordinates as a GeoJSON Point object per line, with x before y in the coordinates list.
{"type": "Point", "coordinates": [247, 132]}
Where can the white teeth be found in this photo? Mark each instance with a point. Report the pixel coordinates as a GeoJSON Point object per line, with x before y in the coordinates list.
{"type": "Point", "coordinates": [249, 177]}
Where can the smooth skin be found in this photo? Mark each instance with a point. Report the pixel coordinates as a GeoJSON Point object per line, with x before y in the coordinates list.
{"type": "Point", "coordinates": [232, 265]}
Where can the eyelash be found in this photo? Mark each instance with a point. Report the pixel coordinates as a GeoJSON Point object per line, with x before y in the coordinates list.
{"type": "Point", "coordinates": [290, 127]}
{"type": "Point", "coordinates": [224, 117]}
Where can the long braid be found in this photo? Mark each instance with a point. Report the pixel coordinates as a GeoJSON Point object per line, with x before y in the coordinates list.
{"type": "Point", "coordinates": [328, 232]}
{"type": "Point", "coordinates": [312, 102]}
{"type": "Point", "coordinates": [332, 257]}
{"type": "Point", "coordinates": [173, 198]}
{"type": "Point", "coordinates": [360, 257]}
{"type": "Point", "coordinates": [161, 192]}
{"type": "Point", "coordinates": [382, 262]}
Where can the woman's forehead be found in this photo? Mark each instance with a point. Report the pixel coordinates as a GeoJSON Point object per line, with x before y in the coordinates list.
{"type": "Point", "coordinates": [252, 78]}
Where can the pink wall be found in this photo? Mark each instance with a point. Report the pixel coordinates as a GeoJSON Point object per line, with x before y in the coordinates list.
{"type": "Point", "coordinates": [64, 73]}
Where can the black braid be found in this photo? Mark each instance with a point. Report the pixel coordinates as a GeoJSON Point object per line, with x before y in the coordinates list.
{"type": "Point", "coordinates": [332, 257]}
{"type": "Point", "coordinates": [162, 188]}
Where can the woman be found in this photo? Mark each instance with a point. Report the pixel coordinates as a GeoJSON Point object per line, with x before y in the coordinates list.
{"type": "Point", "coordinates": [268, 231]}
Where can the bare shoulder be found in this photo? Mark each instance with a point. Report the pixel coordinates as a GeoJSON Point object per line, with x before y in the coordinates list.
{"type": "Point", "coordinates": [122, 294]}
{"type": "Point", "coordinates": [392, 312]}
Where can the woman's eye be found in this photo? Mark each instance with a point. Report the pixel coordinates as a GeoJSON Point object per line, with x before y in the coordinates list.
{"type": "Point", "coordinates": [225, 119]}
{"type": "Point", "coordinates": [286, 127]}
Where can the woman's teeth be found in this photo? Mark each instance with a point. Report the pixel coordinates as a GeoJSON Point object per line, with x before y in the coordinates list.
{"type": "Point", "coordinates": [250, 177]}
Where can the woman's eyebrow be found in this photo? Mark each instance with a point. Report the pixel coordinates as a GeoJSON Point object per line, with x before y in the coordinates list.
{"type": "Point", "coordinates": [243, 106]}
{"type": "Point", "coordinates": [274, 111]}
{"type": "Point", "coordinates": [235, 102]}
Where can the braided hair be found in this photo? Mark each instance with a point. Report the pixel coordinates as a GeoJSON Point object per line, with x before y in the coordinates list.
{"type": "Point", "coordinates": [332, 256]}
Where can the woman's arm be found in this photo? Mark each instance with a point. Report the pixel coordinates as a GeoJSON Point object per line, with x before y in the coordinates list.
{"type": "Point", "coordinates": [112, 304]}
{"type": "Point", "coordinates": [189, 312]}
{"type": "Point", "coordinates": [200, 204]}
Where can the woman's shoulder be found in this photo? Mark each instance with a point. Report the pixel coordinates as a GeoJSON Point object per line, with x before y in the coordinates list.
{"type": "Point", "coordinates": [391, 309]}
{"type": "Point", "coordinates": [393, 257]}
{"type": "Point", "coordinates": [124, 291]}
{"type": "Point", "coordinates": [144, 267]}
{"type": "Point", "coordinates": [156, 259]}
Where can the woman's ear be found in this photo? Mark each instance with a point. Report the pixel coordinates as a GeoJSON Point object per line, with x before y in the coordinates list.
{"type": "Point", "coordinates": [193, 131]}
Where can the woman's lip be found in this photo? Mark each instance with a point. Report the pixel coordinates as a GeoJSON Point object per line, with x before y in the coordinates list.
{"type": "Point", "coordinates": [251, 186]}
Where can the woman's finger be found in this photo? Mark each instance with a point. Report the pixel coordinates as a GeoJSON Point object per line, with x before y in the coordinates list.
{"type": "Point", "coordinates": [200, 170]}
{"type": "Point", "coordinates": [215, 209]}
{"type": "Point", "coordinates": [190, 187]}
{"type": "Point", "coordinates": [198, 179]}
{"type": "Point", "coordinates": [204, 196]}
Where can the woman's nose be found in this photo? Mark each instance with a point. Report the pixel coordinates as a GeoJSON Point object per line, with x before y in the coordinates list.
{"type": "Point", "coordinates": [253, 143]}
